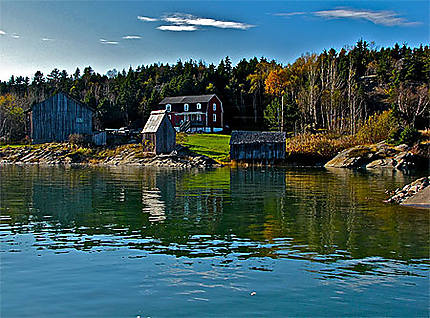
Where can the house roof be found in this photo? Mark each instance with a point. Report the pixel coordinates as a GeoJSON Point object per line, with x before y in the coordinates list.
{"type": "Point", "coordinates": [154, 121]}
{"type": "Point", "coordinates": [187, 99]}
{"type": "Point", "coordinates": [68, 96]}
{"type": "Point", "coordinates": [250, 137]}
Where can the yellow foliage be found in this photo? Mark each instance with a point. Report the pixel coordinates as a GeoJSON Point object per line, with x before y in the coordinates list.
{"type": "Point", "coordinates": [377, 128]}
{"type": "Point", "coordinates": [324, 145]}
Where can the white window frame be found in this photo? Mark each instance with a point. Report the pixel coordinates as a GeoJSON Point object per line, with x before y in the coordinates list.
{"type": "Point", "coordinates": [168, 107]}
{"type": "Point", "coordinates": [186, 107]}
{"type": "Point", "coordinates": [199, 106]}
{"type": "Point", "coordinates": [199, 117]}
{"type": "Point", "coordinates": [214, 117]}
{"type": "Point", "coordinates": [214, 106]}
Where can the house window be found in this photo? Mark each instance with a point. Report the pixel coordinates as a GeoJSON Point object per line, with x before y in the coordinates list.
{"type": "Point", "coordinates": [168, 107]}
{"type": "Point", "coordinates": [199, 106]}
{"type": "Point", "coordinates": [214, 117]}
{"type": "Point", "coordinates": [186, 107]}
{"type": "Point", "coordinates": [214, 106]}
{"type": "Point", "coordinates": [170, 117]}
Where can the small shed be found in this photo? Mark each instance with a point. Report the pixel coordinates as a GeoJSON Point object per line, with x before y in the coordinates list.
{"type": "Point", "coordinates": [160, 132]}
{"type": "Point", "coordinates": [59, 116]}
{"type": "Point", "coordinates": [257, 146]}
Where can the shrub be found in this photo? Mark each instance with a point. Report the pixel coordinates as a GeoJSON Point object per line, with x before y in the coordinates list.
{"type": "Point", "coordinates": [378, 127]}
{"type": "Point", "coordinates": [318, 145]}
{"type": "Point", "coordinates": [409, 136]}
{"type": "Point", "coordinates": [78, 140]}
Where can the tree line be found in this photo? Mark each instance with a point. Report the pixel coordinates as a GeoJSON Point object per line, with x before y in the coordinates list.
{"type": "Point", "coordinates": [332, 91]}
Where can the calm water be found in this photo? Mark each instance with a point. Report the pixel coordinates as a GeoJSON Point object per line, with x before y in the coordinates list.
{"type": "Point", "coordinates": [128, 242]}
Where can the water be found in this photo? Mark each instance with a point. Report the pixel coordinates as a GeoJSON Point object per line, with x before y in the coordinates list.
{"type": "Point", "coordinates": [128, 242]}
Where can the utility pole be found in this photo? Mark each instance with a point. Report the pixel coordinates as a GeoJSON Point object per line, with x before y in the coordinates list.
{"type": "Point", "coordinates": [282, 112]}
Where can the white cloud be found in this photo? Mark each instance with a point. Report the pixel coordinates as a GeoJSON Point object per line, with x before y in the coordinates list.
{"type": "Point", "coordinates": [47, 39]}
{"type": "Point", "coordinates": [177, 28]}
{"type": "Point", "coordinates": [188, 19]}
{"type": "Point", "coordinates": [146, 19]}
{"type": "Point", "coordinates": [387, 18]}
{"type": "Point", "coordinates": [131, 37]}
{"type": "Point", "coordinates": [103, 41]}
{"type": "Point", "coordinates": [15, 36]}
{"type": "Point", "coordinates": [2, 32]}
{"type": "Point", "coordinates": [383, 17]}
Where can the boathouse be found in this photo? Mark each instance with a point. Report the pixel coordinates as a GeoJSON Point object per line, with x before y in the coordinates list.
{"type": "Point", "coordinates": [160, 132]}
{"type": "Point", "coordinates": [58, 117]}
{"type": "Point", "coordinates": [257, 146]}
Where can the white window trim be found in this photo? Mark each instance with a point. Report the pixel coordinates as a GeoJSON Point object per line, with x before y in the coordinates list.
{"type": "Point", "coordinates": [199, 106]}
{"type": "Point", "coordinates": [168, 107]}
{"type": "Point", "coordinates": [214, 106]}
{"type": "Point", "coordinates": [186, 107]}
{"type": "Point", "coordinates": [214, 117]}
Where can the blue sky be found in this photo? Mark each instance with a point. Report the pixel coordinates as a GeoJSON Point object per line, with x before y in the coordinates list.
{"type": "Point", "coordinates": [42, 35]}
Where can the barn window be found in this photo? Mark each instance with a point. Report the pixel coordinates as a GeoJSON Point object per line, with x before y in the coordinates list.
{"type": "Point", "coordinates": [199, 106]}
{"type": "Point", "coordinates": [79, 120]}
{"type": "Point", "coordinates": [214, 106]}
{"type": "Point", "coordinates": [168, 107]}
{"type": "Point", "coordinates": [214, 117]}
{"type": "Point", "coordinates": [186, 107]}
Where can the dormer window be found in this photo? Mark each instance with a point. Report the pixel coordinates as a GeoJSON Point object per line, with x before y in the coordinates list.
{"type": "Point", "coordinates": [168, 107]}
{"type": "Point", "coordinates": [214, 106]}
{"type": "Point", "coordinates": [199, 106]}
{"type": "Point", "coordinates": [186, 107]}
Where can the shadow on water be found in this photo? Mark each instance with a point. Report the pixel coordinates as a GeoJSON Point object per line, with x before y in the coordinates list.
{"type": "Point", "coordinates": [313, 214]}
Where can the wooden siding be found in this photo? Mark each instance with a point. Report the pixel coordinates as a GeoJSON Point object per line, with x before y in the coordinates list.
{"type": "Point", "coordinates": [258, 152]}
{"type": "Point", "coordinates": [164, 139]}
{"type": "Point", "coordinates": [56, 118]}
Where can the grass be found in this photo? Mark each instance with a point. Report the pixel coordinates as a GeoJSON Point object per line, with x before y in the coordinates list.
{"type": "Point", "coordinates": [214, 146]}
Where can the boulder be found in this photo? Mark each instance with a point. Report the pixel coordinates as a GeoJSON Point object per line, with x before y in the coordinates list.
{"type": "Point", "coordinates": [355, 157]}
{"type": "Point", "coordinates": [416, 193]}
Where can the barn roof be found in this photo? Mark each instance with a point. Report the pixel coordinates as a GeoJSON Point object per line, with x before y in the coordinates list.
{"type": "Point", "coordinates": [68, 96]}
{"type": "Point", "coordinates": [154, 121]}
{"type": "Point", "coordinates": [187, 99]}
{"type": "Point", "coordinates": [250, 137]}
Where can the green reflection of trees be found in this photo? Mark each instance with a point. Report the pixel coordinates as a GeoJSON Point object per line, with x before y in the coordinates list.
{"type": "Point", "coordinates": [317, 214]}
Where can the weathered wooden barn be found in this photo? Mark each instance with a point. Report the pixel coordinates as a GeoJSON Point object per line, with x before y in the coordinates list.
{"type": "Point", "coordinates": [257, 146]}
{"type": "Point", "coordinates": [58, 117]}
{"type": "Point", "coordinates": [160, 132]}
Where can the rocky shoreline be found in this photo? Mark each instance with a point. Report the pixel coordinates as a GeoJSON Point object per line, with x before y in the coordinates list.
{"type": "Point", "coordinates": [415, 194]}
{"type": "Point", "coordinates": [381, 156]}
{"type": "Point", "coordinates": [133, 154]}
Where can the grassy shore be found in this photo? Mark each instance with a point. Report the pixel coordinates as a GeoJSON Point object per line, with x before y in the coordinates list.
{"type": "Point", "coordinates": [215, 146]}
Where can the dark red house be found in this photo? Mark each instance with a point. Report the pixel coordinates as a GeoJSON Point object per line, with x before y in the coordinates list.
{"type": "Point", "coordinates": [194, 113]}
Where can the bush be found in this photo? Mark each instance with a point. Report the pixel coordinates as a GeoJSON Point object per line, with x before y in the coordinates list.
{"type": "Point", "coordinates": [78, 140]}
{"type": "Point", "coordinates": [318, 145]}
{"type": "Point", "coordinates": [409, 136]}
{"type": "Point", "coordinates": [378, 127]}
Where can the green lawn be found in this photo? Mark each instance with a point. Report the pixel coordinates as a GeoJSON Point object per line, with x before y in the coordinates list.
{"type": "Point", "coordinates": [211, 145]}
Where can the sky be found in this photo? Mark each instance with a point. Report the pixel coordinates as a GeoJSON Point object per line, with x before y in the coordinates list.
{"type": "Point", "coordinates": [43, 35]}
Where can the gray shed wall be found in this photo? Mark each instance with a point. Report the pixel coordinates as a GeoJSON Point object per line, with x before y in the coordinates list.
{"type": "Point", "coordinates": [56, 118]}
{"type": "Point", "coordinates": [164, 139]}
{"type": "Point", "coordinates": [257, 151]}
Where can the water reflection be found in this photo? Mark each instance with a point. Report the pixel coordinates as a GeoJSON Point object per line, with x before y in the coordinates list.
{"type": "Point", "coordinates": [317, 215]}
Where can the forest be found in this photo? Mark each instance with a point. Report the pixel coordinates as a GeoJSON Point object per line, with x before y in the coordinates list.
{"type": "Point", "coordinates": [334, 91]}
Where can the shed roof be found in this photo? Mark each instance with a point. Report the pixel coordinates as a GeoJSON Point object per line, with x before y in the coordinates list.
{"type": "Point", "coordinates": [187, 99]}
{"type": "Point", "coordinates": [67, 96]}
{"type": "Point", "coordinates": [154, 121]}
{"type": "Point", "coordinates": [250, 137]}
